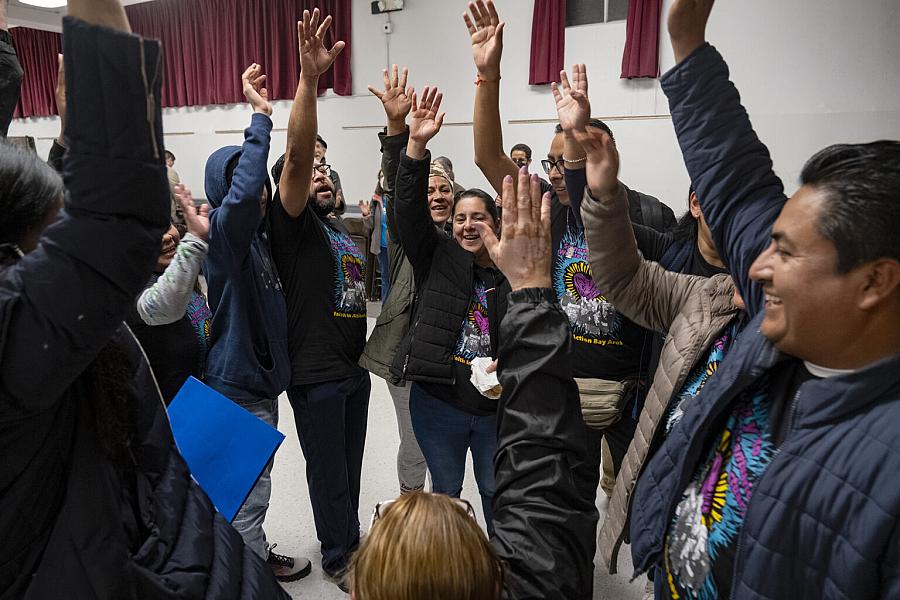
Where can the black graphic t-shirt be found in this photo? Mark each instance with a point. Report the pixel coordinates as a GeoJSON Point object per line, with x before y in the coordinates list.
{"type": "Point", "coordinates": [605, 344]}
{"type": "Point", "coordinates": [322, 271]}
{"type": "Point", "coordinates": [474, 341]}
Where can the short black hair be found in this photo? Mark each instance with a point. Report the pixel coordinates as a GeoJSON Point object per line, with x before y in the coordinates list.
{"type": "Point", "coordinates": [277, 168]}
{"type": "Point", "coordinates": [170, 155]}
{"type": "Point", "coordinates": [521, 148]}
{"type": "Point", "coordinates": [322, 141]}
{"type": "Point", "coordinates": [593, 123]}
{"type": "Point", "coordinates": [861, 211]}
{"type": "Point", "coordinates": [490, 203]}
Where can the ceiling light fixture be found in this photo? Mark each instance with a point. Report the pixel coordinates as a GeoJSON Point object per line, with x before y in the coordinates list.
{"type": "Point", "coordinates": [44, 3]}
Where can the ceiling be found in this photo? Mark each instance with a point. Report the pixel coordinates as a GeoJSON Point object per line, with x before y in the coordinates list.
{"type": "Point", "coordinates": [42, 18]}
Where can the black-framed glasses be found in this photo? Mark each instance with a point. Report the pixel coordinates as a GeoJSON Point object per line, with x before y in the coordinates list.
{"type": "Point", "coordinates": [323, 168]}
{"type": "Point", "coordinates": [380, 508]}
{"type": "Point", "coordinates": [520, 161]}
{"type": "Point", "coordinates": [549, 164]}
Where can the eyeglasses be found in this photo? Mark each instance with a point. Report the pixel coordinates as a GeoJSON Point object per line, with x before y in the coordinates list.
{"type": "Point", "coordinates": [549, 164]}
{"type": "Point", "coordinates": [520, 161]}
{"type": "Point", "coordinates": [378, 513]}
{"type": "Point", "coordinates": [323, 168]}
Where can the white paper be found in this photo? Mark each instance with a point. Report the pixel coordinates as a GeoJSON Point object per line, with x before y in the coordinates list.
{"type": "Point", "coordinates": [484, 382]}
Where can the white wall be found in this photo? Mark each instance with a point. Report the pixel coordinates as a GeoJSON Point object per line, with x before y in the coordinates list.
{"type": "Point", "coordinates": [811, 73]}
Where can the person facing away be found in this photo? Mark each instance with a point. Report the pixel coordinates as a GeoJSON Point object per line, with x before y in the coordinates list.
{"type": "Point", "coordinates": [248, 349]}
{"type": "Point", "coordinates": [97, 501]}
{"type": "Point", "coordinates": [787, 459]}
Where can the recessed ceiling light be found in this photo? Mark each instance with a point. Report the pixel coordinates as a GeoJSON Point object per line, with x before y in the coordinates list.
{"type": "Point", "coordinates": [45, 3]}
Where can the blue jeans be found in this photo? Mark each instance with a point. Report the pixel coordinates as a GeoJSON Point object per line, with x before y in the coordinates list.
{"type": "Point", "coordinates": [445, 434]}
{"type": "Point", "coordinates": [249, 519]}
{"type": "Point", "coordinates": [331, 420]}
{"type": "Point", "coordinates": [384, 266]}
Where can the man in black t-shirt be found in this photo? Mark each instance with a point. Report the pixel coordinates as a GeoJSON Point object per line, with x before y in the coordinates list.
{"type": "Point", "coordinates": [322, 272]}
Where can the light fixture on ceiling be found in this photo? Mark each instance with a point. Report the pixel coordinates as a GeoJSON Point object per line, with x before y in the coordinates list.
{"type": "Point", "coordinates": [44, 3]}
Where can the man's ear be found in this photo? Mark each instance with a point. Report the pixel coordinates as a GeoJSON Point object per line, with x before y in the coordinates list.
{"type": "Point", "coordinates": [694, 205]}
{"type": "Point", "coordinates": [880, 283]}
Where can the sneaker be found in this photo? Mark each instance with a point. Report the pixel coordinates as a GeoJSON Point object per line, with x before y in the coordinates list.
{"type": "Point", "coordinates": [287, 568]}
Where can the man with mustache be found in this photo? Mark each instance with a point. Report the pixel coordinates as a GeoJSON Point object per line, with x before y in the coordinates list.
{"type": "Point", "coordinates": [322, 271]}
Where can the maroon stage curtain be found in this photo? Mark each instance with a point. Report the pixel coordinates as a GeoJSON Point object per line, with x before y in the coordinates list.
{"type": "Point", "coordinates": [548, 41]}
{"type": "Point", "coordinates": [207, 44]}
{"type": "Point", "coordinates": [37, 51]}
{"type": "Point", "coordinates": [641, 56]}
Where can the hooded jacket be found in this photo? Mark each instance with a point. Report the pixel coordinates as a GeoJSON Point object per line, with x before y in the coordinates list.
{"type": "Point", "coordinates": [248, 350]}
{"type": "Point", "coordinates": [74, 523]}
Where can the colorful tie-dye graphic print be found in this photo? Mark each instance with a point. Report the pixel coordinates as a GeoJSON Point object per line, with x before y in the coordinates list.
{"type": "Point", "coordinates": [200, 316]}
{"type": "Point", "coordinates": [475, 336]}
{"type": "Point", "coordinates": [349, 271]}
{"type": "Point", "coordinates": [593, 320]}
{"type": "Point", "coordinates": [711, 512]}
{"type": "Point", "coordinates": [700, 374]}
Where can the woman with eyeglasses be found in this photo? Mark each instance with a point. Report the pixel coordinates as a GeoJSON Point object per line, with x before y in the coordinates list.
{"type": "Point", "coordinates": [428, 546]}
{"type": "Point", "coordinates": [460, 300]}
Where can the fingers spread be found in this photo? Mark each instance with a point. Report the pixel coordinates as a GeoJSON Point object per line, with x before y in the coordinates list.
{"type": "Point", "coordinates": [403, 77]}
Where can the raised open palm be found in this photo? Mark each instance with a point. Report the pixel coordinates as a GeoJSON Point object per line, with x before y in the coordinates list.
{"type": "Point", "coordinates": [425, 120]}
{"type": "Point", "coordinates": [252, 81]}
{"type": "Point", "coordinates": [396, 97]}
{"type": "Point", "coordinates": [314, 58]}
{"type": "Point", "coordinates": [572, 104]}
{"type": "Point", "coordinates": [602, 168]}
{"type": "Point", "coordinates": [486, 30]}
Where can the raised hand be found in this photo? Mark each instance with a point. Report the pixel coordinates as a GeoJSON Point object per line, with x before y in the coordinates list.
{"type": "Point", "coordinates": [60, 94]}
{"type": "Point", "coordinates": [572, 104]}
{"type": "Point", "coordinates": [523, 251]}
{"type": "Point", "coordinates": [687, 26]}
{"type": "Point", "coordinates": [365, 209]}
{"type": "Point", "coordinates": [602, 168]}
{"type": "Point", "coordinates": [425, 120]}
{"type": "Point", "coordinates": [396, 97]}
{"type": "Point", "coordinates": [486, 29]}
{"type": "Point", "coordinates": [314, 58]}
{"type": "Point", "coordinates": [196, 219]}
{"type": "Point", "coordinates": [252, 81]}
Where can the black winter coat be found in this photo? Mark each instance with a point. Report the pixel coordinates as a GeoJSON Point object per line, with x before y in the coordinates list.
{"type": "Point", "coordinates": [543, 525]}
{"type": "Point", "coordinates": [73, 522]}
{"type": "Point", "coordinates": [443, 274]}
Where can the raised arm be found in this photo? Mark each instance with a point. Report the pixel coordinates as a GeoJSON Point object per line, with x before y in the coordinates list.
{"type": "Point", "coordinates": [417, 232]}
{"type": "Point", "coordinates": [543, 525]}
{"type": "Point", "coordinates": [397, 102]}
{"type": "Point", "coordinates": [61, 303]}
{"type": "Point", "coordinates": [641, 290]}
{"type": "Point", "coordinates": [234, 224]}
{"type": "Point", "coordinates": [166, 300]}
{"type": "Point", "coordinates": [486, 30]}
{"type": "Point", "coordinates": [730, 167]}
{"type": "Point", "coordinates": [303, 124]}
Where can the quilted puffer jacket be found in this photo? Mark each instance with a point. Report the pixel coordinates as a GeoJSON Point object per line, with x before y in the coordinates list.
{"type": "Point", "coordinates": [83, 514]}
{"type": "Point", "coordinates": [824, 518]}
{"type": "Point", "coordinates": [692, 310]}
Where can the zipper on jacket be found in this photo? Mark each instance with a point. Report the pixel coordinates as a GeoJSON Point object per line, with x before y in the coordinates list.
{"type": "Point", "coordinates": [411, 333]}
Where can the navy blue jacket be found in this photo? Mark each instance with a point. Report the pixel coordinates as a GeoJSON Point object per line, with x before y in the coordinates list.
{"type": "Point", "coordinates": [248, 355]}
{"type": "Point", "coordinates": [824, 517]}
{"type": "Point", "coordinates": [74, 523]}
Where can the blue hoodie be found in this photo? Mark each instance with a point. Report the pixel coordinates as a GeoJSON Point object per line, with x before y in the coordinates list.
{"type": "Point", "coordinates": [248, 356]}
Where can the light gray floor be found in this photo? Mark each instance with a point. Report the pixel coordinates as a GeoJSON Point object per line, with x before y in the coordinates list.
{"type": "Point", "coordinates": [289, 522]}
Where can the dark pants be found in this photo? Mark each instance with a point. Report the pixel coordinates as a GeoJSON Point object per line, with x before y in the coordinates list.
{"type": "Point", "coordinates": [10, 81]}
{"type": "Point", "coordinates": [331, 422]}
{"type": "Point", "coordinates": [445, 434]}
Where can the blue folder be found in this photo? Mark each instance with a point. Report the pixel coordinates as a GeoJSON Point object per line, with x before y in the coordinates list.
{"type": "Point", "coordinates": [225, 446]}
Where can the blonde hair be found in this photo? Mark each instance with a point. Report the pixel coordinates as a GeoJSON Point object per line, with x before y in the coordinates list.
{"type": "Point", "coordinates": [426, 547]}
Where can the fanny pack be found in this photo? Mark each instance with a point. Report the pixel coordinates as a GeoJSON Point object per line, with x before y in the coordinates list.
{"type": "Point", "coordinates": [602, 400]}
